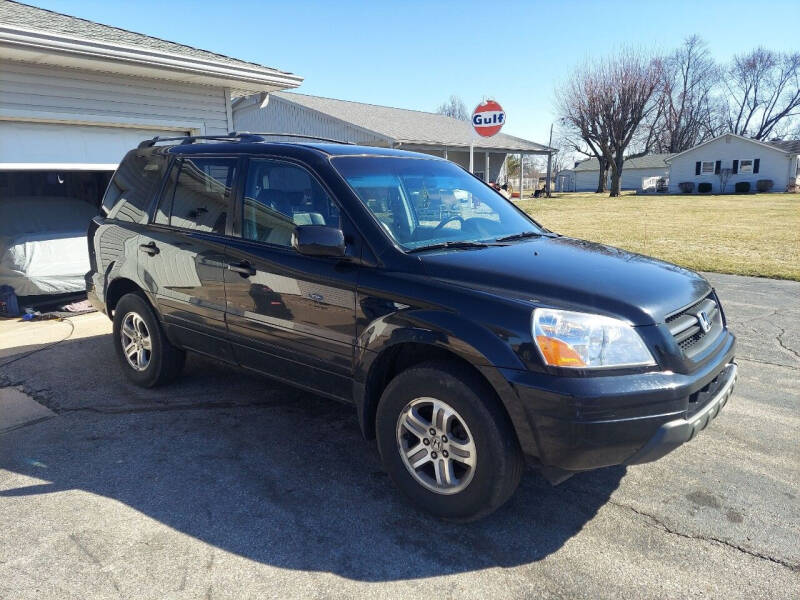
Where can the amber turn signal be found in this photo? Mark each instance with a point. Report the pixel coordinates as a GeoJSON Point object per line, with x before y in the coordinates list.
{"type": "Point", "coordinates": [557, 353]}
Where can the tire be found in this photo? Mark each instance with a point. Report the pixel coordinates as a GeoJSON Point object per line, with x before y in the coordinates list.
{"type": "Point", "coordinates": [472, 491]}
{"type": "Point", "coordinates": [162, 362]}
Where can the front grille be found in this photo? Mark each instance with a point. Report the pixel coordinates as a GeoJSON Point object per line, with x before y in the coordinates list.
{"type": "Point", "coordinates": [685, 326]}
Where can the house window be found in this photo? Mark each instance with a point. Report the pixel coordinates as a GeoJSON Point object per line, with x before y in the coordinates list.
{"type": "Point", "coordinates": [746, 166]}
{"type": "Point", "coordinates": [707, 167]}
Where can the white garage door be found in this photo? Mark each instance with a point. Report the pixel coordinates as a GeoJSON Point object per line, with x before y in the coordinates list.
{"type": "Point", "coordinates": [25, 145]}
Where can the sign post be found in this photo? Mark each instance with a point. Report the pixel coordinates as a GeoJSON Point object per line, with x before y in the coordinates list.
{"type": "Point", "coordinates": [488, 119]}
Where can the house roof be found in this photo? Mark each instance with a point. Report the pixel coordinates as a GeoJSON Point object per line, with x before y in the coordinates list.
{"type": "Point", "coordinates": [774, 145]}
{"type": "Point", "coordinates": [790, 146]}
{"type": "Point", "coordinates": [410, 127]}
{"type": "Point", "coordinates": [29, 28]}
{"type": "Point", "coordinates": [649, 161]}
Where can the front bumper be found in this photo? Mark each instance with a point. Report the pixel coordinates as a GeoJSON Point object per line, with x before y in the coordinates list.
{"type": "Point", "coordinates": [674, 433]}
{"type": "Point", "coordinates": [582, 423]}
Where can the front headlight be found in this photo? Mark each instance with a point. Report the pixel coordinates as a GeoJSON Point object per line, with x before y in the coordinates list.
{"type": "Point", "coordinates": [586, 341]}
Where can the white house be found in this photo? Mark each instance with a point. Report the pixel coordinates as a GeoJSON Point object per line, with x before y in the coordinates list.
{"type": "Point", "coordinates": [748, 160]}
{"type": "Point", "coordinates": [76, 95]}
{"type": "Point", "coordinates": [375, 125]}
{"type": "Point", "coordinates": [583, 177]}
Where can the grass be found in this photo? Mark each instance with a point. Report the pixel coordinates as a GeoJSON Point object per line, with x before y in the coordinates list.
{"type": "Point", "coordinates": [755, 234]}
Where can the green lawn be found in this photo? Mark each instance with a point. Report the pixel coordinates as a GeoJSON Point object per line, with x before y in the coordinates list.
{"type": "Point", "coordinates": [755, 234]}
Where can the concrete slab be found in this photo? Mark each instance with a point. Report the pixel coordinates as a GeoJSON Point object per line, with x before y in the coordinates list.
{"type": "Point", "coordinates": [18, 409]}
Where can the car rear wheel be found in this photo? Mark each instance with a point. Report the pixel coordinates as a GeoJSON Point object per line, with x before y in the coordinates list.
{"type": "Point", "coordinates": [144, 352]}
{"type": "Point", "coordinates": [446, 442]}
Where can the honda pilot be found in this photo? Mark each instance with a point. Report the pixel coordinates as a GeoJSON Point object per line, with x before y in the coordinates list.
{"type": "Point", "coordinates": [470, 339]}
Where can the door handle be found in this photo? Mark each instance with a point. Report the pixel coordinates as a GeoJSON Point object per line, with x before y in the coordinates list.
{"type": "Point", "coordinates": [150, 248]}
{"type": "Point", "coordinates": [244, 268]}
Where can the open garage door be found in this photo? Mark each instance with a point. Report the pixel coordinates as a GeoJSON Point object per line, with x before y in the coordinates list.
{"type": "Point", "coordinates": [41, 146]}
{"type": "Point", "coordinates": [52, 179]}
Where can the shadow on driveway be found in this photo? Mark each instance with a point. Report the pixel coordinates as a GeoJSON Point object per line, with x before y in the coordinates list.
{"type": "Point", "coordinates": [283, 478]}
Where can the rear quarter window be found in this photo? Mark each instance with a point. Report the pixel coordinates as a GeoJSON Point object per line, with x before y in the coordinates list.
{"type": "Point", "coordinates": [133, 186]}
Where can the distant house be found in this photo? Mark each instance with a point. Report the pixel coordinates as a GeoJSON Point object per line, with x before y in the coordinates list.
{"type": "Point", "coordinates": [748, 160]}
{"type": "Point", "coordinates": [583, 177]}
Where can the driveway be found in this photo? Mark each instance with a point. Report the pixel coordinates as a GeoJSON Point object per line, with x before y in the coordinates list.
{"type": "Point", "coordinates": [226, 485]}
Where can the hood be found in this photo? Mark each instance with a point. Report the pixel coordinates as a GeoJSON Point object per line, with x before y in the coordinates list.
{"type": "Point", "coordinates": [573, 274]}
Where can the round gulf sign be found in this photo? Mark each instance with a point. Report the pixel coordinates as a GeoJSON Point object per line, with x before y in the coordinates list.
{"type": "Point", "coordinates": [488, 118]}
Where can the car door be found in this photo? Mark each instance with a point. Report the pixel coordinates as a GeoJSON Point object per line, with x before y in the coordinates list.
{"type": "Point", "coordinates": [289, 315]}
{"type": "Point", "coordinates": [182, 252]}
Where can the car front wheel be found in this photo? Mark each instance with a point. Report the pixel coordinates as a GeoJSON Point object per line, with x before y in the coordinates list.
{"type": "Point", "coordinates": [446, 442]}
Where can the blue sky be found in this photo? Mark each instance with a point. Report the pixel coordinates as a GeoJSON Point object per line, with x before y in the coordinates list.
{"type": "Point", "coordinates": [416, 54]}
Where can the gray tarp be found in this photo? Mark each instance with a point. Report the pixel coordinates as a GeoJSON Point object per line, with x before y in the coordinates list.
{"type": "Point", "coordinates": [43, 244]}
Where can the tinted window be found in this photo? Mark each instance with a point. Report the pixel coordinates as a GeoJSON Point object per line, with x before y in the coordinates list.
{"type": "Point", "coordinates": [278, 197]}
{"type": "Point", "coordinates": [134, 183]}
{"type": "Point", "coordinates": [200, 190]}
{"type": "Point", "coordinates": [424, 202]}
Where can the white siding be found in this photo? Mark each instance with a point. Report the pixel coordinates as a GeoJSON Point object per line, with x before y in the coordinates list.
{"type": "Point", "coordinates": [774, 164]}
{"type": "Point", "coordinates": [279, 116]}
{"type": "Point", "coordinates": [42, 93]}
{"type": "Point", "coordinates": [586, 181]}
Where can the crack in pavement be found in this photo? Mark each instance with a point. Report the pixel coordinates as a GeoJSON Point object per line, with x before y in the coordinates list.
{"type": "Point", "coordinates": [781, 343]}
{"type": "Point", "coordinates": [766, 362]}
{"type": "Point", "coordinates": [661, 525]}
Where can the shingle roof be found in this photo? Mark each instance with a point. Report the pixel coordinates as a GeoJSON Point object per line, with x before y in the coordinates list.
{"type": "Point", "coordinates": [408, 126]}
{"type": "Point", "coordinates": [790, 146]}
{"type": "Point", "coordinates": [32, 17]}
{"type": "Point", "coordinates": [649, 161]}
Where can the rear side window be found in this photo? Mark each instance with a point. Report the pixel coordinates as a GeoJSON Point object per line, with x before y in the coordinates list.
{"type": "Point", "coordinates": [198, 194]}
{"type": "Point", "coordinates": [133, 186]}
{"type": "Point", "coordinates": [278, 197]}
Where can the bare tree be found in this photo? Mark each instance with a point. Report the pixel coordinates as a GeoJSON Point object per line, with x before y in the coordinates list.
{"type": "Point", "coordinates": [688, 112]}
{"type": "Point", "coordinates": [579, 115]}
{"type": "Point", "coordinates": [763, 91]}
{"type": "Point", "coordinates": [454, 107]}
{"type": "Point", "coordinates": [605, 104]}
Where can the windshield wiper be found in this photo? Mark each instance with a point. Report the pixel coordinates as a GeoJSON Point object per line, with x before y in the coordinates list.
{"type": "Point", "coordinates": [519, 236]}
{"type": "Point", "coordinates": [451, 244]}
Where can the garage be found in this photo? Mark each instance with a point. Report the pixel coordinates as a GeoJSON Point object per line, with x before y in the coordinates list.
{"type": "Point", "coordinates": [75, 96]}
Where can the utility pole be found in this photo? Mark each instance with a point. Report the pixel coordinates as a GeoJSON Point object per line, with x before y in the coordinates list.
{"type": "Point", "coordinates": [549, 163]}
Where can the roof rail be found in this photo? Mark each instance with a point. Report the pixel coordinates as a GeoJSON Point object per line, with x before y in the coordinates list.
{"type": "Point", "coordinates": [191, 139]}
{"type": "Point", "coordinates": [286, 134]}
{"type": "Point", "coordinates": [241, 136]}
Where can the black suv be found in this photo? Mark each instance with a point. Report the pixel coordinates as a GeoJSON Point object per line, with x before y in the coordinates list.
{"type": "Point", "coordinates": [468, 337]}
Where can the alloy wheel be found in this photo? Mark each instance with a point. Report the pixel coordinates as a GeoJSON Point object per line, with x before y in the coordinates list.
{"type": "Point", "coordinates": [136, 342]}
{"type": "Point", "coordinates": [436, 445]}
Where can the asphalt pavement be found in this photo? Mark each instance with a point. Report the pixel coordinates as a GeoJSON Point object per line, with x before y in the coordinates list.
{"type": "Point", "coordinates": [228, 485]}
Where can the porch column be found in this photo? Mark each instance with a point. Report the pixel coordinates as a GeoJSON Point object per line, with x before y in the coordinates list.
{"type": "Point", "coordinates": [549, 171]}
{"type": "Point", "coordinates": [521, 171]}
{"type": "Point", "coordinates": [445, 152]}
{"type": "Point", "coordinates": [486, 170]}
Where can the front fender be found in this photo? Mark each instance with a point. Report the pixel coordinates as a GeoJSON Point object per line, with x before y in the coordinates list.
{"type": "Point", "coordinates": [486, 350]}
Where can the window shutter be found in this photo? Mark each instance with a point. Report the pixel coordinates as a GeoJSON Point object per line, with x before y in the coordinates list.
{"type": "Point", "coordinates": [756, 164]}
{"type": "Point", "coordinates": [717, 166]}
{"type": "Point", "coordinates": [697, 168]}
{"type": "Point", "coordinates": [735, 167]}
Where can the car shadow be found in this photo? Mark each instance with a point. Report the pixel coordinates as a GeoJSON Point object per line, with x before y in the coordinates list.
{"type": "Point", "coordinates": [272, 474]}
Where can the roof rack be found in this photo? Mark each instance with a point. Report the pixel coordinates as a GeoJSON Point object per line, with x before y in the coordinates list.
{"type": "Point", "coordinates": [191, 139]}
{"type": "Point", "coordinates": [240, 136]}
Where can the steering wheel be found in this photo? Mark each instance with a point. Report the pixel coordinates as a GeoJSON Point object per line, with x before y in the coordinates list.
{"type": "Point", "coordinates": [447, 220]}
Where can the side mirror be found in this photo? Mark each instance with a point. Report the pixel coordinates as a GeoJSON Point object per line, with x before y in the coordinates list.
{"type": "Point", "coordinates": [318, 240]}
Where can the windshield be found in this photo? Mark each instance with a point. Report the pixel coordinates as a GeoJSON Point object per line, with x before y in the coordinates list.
{"type": "Point", "coordinates": [424, 203]}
